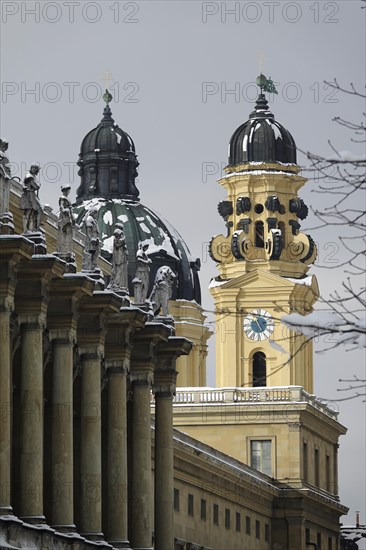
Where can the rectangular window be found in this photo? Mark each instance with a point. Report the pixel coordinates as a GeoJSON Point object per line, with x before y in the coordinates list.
{"type": "Point", "coordinates": [305, 461]}
{"type": "Point", "coordinates": [176, 500]}
{"type": "Point", "coordinates": [257, 529]}
{"type": "Point", "coordinates": [327, 473]}
{"type": "Point", "coordinates": [238, 522]}
{"type": "Point", "coordinates": [316, 466]}
{"type": "Point", "coordinates": [203, 509]}
{"type": "Point", "coordinates": [307, 535]}
{"type": "Point", "coordinates": [247, 525]}
{"type": "Point", "coordinates": [227, 518]}
{"type": "Point", "coordinates": [330, 543]}
{"type": "Point", "coordinates": [266, 532]}
{"type": "Point", "coordinates": [260, 452]}
{"type": "Point", "coordinates": [190, 505]}
{"type": "Point", "coordinates": [216, 514]}
{"type": "Point", "coordinates": [319, 541]}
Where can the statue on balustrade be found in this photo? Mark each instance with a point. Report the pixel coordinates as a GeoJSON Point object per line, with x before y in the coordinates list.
{"type": "Point", "coordinates": [119, 277]}
{"type": "Point", "coordinates": [66, 223]}
{"type": "Point", "coordinates": [162, 290]}
{"type": "Point", "coordinates": [141, 280]}
{"type": "Point", "coordinates": [29, 201]}
{"type": "Point", "coordinates": [92, 241]}
{"type": "Point", "coordinates": [5, 176]}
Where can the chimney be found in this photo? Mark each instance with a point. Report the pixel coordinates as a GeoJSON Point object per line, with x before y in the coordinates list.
{"type": "Point", "coordinates": [357, 519]}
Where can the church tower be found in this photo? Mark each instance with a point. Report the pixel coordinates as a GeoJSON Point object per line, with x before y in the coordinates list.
{"type": "Point", "coordinates": [262, 259]}
{"type": "Point", "coordinates": [262, 411]}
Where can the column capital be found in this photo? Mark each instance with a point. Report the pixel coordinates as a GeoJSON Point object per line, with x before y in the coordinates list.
{"type": "Point", "coordinates": [168, 352]}
{"type": "Point", "coordinates": [62, 313]}
{"type": "Point", "coordinates": [63, 336]}
{"type": "Point", "coordinates": [120, 329]}
{"type": "Point", "coordinates": [6, 304]}
{"type": "Point", "coordinates": [164, 383]}
{"type": "Point", "coordinates": [94, 311]}
{"type": "Point", "coordinates": [116, 367]}
{"type": "Point", "coordinates": [34, 280]}
{"type": "Point", "coordinates": [13, 249]}
{"type": "Point", "coordinates": [32, 321]}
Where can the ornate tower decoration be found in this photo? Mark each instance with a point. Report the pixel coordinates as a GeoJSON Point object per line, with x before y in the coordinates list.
{"type": "Point", "coordinates": [264, 257]}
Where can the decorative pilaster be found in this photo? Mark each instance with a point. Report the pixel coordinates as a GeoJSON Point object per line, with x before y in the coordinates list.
{"type": "Point", "coordinates": [142, 375]}
{"type": "Point", "coordinates": [117, 365]}
{"type": "Point", "coordinates": [164, 390]}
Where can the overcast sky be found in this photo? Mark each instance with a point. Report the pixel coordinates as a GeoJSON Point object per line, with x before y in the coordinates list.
{"type": "Point", "coordinates": [182, 76]}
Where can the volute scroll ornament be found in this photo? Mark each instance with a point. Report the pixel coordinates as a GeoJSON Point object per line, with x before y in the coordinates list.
{"type": "Point", "coordinates": [302, 248]}
{"type": "Point", "coordinates": [274, 244]}
{"type": "Point", "coordinates": [220, 249]}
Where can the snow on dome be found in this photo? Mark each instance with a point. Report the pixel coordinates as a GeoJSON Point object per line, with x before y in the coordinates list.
{"type": "Point", "coordinates": [140, 224]}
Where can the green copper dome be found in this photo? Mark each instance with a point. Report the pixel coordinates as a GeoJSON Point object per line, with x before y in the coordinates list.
{"type": "Point", "coordinates": [142, 225]}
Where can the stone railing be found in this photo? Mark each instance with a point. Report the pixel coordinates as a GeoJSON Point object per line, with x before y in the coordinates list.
{"type": "Point", "coordinates": [285, 394]}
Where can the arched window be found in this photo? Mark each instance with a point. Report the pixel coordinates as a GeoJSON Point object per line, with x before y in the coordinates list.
{"type": "Point", "coordinates": [259, 234]}
{"type": "Point", "coordinates": [259, 369]}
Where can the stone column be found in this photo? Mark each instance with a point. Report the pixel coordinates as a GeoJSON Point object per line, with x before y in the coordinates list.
{"type": "Point", "coordinates": [94, 313]}
{"type": "Point", "coordinates": [6, 307]}
{"type": "Point", "coordinates": [117, 364]}
{"type": "Point", "coordinates": [141, 537]}
{"type": "Point", "coordinates": [62, 316]}
{"type": "Point", "coordinates": [13, 250]}
{"type": "Point", "coordinates": [31, 303]}
{"type": "Point", "coordinates": [164, 389]}
{"type": "Point", "coordinates": [117, 528]}
{"type": "Point", "coordinates": [142, 374]}
{"type": "Point", "coordinates": [91, 446]}
{"type": "Point", "coordinates": [62, 434]}
{"type": "Point", "coordinates": [31, 413]}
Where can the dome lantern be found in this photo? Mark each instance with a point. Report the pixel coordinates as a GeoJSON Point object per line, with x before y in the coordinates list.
{"type": "Point", "coordinates": [108, 161]}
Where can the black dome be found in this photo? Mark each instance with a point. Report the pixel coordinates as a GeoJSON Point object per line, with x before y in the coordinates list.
{"type": "Point", "coordinates": [107, 137]}
{"type": "Point", "coordinates": [262, 139]}
{"type": "Point", "coordinates": [108, 162]}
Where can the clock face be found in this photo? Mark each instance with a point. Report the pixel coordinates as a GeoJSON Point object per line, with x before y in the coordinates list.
{"type": "Point", "coordinates": [258, 325]}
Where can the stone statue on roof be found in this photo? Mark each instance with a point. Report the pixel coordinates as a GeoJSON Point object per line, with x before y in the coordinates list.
{"type": "Point", "coordinates": [119, 277]}
{"type": "Point", "coordinates": [162, 290]}
{"type": "Point", "coordinates": [141, 280]}
{"type": "Point", "coordinates": [65, 223]}
{"type": "Point", "coordinates": [92, 241]}
{"type": "Point", "coordinates": [29, 201]}
{"type": "Point", "coordinates": [5, 176]}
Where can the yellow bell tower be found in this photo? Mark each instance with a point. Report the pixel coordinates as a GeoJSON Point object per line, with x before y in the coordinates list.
{"type": "Point", "coordinates": [262, 411]}
{"type": "Point", "coordinates": [262, 260]}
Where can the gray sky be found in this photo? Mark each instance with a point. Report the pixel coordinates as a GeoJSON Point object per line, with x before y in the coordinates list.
{"type": "Point", "coordinates": [182, 74]}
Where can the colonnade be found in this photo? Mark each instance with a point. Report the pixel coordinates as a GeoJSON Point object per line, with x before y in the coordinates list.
{"type": "Point", "coordinates": [95, 346]}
